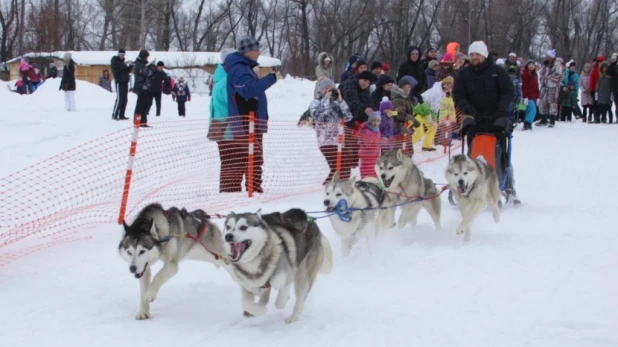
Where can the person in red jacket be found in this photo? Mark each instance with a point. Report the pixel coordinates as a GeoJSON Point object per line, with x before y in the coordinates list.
{"type": "Point", "coordinates": [594, 80]}
{"type": "Point", "coordinates": [530, 91]}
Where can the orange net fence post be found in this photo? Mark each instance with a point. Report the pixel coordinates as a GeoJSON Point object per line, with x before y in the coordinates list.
{"type": "Point", "coordinates": [127, 179]}
{"type": "Point", "coordinates": [251, 163]}
{"type": "Point", "coordinates": [340, 144]}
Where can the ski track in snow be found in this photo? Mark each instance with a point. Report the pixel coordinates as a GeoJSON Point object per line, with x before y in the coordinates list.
{"type": "Point", "coordinates": [545, 276]}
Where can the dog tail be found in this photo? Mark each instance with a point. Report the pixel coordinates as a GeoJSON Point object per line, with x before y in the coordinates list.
{"type": "Point", "coordinates": [327, 260]}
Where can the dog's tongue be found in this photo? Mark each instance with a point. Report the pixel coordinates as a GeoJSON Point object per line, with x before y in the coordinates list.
{"type": "Point", "coordinates": [462, 188]}
{"type": "Point", "coordinates": [237, 249]}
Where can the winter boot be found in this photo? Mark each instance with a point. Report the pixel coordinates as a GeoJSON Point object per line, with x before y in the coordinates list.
{"type": "Point", "coordinates": [552, 121]}
{"type": "Point", "coordinates": [543, 121]}
{"type": "Point", "coordinates": [527, 126]}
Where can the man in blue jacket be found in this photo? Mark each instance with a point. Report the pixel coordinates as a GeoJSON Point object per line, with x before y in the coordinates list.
{"type": "Point", "coordinates": [247, 94]}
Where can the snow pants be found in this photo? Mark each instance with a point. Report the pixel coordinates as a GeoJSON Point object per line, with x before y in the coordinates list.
{"type": "Point", "coordinates": [419, 132]}
{"type": "Point", "coordinates": [530, 111]}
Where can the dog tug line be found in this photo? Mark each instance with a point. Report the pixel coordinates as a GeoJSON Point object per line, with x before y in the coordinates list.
{"type": "Point", "coordinates": [343, 211]}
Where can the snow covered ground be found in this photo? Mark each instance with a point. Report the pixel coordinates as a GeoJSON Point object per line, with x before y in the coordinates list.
{"type": "Point", "coordinates": [545, 276]}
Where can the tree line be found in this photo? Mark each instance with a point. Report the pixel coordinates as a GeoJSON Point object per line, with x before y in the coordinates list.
{"type": "Point", "coordinates": [297, 30]}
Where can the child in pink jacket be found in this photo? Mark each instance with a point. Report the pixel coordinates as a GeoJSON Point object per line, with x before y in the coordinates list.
{"type": "Point", "coordinates": [371, 143]}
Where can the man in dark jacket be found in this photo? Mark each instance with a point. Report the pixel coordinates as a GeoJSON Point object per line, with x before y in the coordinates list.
{"type": "Point", "coordinates": [121, 72]}
{"type": "Point", "coordinates": [355, 92]}
{"type": "Point", "coordinates": [246, 94]}
{"type": "Point", "coordinates": [414, 67]}
{"type": "Point", "coordinates": [483, 92]}
{"type": "Point", "coordinates": [143, 77]}
{"type": "Point", "coordinates": [383, 88]}
{"type": "Point", "coordinates": [160, 81]}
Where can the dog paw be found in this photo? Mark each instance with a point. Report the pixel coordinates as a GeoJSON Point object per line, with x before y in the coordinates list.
{"type": "Point", "coordinates": [291, 319]}
{"type": "Point", "coordinates": [467, 237]}
{"type": "Point", "coordinates": [142, 315]}
{"type": "Point", "coordinates": [247, 315]}
{"type": "Point", "coordinates": [150, 296]}
{"type": "Point", "coordinates": [256, 310]}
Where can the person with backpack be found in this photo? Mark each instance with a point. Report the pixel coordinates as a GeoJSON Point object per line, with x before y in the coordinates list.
{"type": "Point", "coordinates": [181, 95]}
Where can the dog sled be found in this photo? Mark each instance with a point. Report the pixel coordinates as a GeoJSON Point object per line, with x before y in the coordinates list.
{"type": "Point", "coordinates": [494, 144]}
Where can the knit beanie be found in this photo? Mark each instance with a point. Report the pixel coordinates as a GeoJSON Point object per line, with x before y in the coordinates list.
{"type": "Point", "coordinates": [386, 67]}
{"type": "Point", "coordinates": [551, 53]}
{"type": "Point", "coordinates": [448, 58]}
{"type": "Point", "coordinates": [67, 55]}
{"type": "Point", "coordinates": [160, 64]}
{"type": "Point", "coordinates": [248, 44]}
{"type": "Point", "coordinates": [365, 75]}
{"type": "Point", "coordinates": [375, 115]}
{"type": "Point", "coordinates": [353, 59]}
{"type": "Point", "coordinates": [433, 63]}
{"type": "Point", "coordinates": [325, 83]}
{"type": "Point", "coordinates": [407, 80]}
{"type": "Point", "coordinates": [449, 81]}
{"type": "Point", "coordinates": [361, 63]}
{"type": "Point", "coordinates": [478, 47]}
{"type": "Point", "coordinates": [386, 104]}
{"type": "Point", "coordinates": [500, 61]}
{"type": "Point", "coordinates": [376, 65]}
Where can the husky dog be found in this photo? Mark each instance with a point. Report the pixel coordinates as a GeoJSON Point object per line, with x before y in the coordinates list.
{"type": "Point", "coordinates": [404, 182]}
{"type": "Point", "coordinates": [475, 186]}
{"type": "Point", "coordinates": [365, 194]}
{"type": "Point", "coordinates": [277, 250]}
{"type": "Point", "coordinates": [158, 234]}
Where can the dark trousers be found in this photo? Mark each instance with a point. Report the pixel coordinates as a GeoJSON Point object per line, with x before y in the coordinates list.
{"type": "Point", "coordinates": [603, 111]}
{"type": "Point", "coordinates": [181, 108]}
{"type": "Point", "coordinates": [330, 154]}
{"type": "Point", "coordinates": [566, 114]}
{"type": "Point", "coordinates": [234, 155]}
{"type": "Point", "coordinates": [141, 107]}
{"type": "Point", "coordinates": [157, 98]}
{"type": "Point", "coordinates": [615, 93]}
{"type": "Point", "coordinates": [588, 113]}
{"type": "Point", "coordinates": [122, 94]}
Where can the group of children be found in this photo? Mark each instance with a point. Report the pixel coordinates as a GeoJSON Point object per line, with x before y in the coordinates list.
{"type": "Point", "coordinates": [378, 133]}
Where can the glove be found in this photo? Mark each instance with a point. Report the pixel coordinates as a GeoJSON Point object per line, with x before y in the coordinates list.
{"type": "Point", "coordinates": [189, 98]}
{"type": "Point", "coordinates": [415, 123]}
{"type": "Point", "coordinates": [526, 102]}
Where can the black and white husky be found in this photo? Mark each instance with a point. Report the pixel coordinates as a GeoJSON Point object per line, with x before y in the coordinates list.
{"type": "Point", "coordinates": [277, 250]}
{"type": "Point", "coordinates": [170, 236]}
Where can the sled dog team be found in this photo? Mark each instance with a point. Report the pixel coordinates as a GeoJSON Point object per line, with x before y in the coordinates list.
{"type": "Point", "coordinates": [286, 251]}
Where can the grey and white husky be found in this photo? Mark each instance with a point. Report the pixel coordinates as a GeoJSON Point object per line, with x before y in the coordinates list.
{"type": "Point", "coordinates": [159, 234]}
{"type": "Point", "coordinates": [475, 187]}
{"type": "Point", "coordinates": [405, 182]}
{"type": "Point", "coordinates": [276, 250]}
{"type": "Point", "coordinates": [368, 223]}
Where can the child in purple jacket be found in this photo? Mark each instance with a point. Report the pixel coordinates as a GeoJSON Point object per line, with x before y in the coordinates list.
{"type": "Point", "coordinates": [387, 124]}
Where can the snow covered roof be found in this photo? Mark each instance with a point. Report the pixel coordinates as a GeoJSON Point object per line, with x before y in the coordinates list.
{"type": "Point", "coordinates": [171, 59]}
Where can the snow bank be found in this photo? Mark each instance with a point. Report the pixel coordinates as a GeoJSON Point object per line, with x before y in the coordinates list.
{"type": "Point", "coordinates": [289, 98]}
{"type": "Point", "coordinates": [171, 59]}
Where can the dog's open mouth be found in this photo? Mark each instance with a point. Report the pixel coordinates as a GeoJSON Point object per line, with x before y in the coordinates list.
{"type": "Point", "coordinates": [387, 183]}
{"type": "Point", "coordinates": [237, 249]}
{"type": "Point", "coordinates": [462, 188]}
{"type": "Point", "coordinates": [140, 274]}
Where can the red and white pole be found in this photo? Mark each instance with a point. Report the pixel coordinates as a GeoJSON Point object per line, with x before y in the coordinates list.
{"type": "Point", "coordinates": [127, 179]}
{"type": "Point", "coordinates": [251, 152]}
{"type": "Point", "coordinates": [340, 145]}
